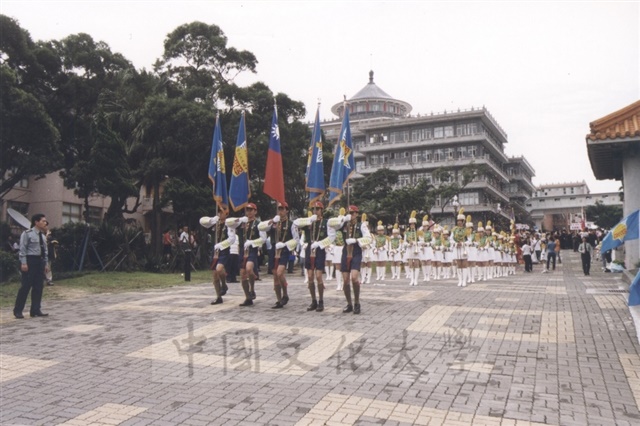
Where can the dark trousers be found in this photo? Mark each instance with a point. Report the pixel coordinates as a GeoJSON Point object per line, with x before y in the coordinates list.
{"type": "Point", "coordinates": [551, 255]}
{"type": "Point", "coordinates": [32, 280]}
{"type": "Point", "coordinates": [528, 264]}
{"type": "Point", "coordinates": [586, 262]}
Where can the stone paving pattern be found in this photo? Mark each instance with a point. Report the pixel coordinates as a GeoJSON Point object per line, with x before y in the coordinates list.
{"type": "Point", "coordinates": [529, 349]}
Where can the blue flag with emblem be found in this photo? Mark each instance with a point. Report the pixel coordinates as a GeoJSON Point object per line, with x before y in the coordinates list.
{"type": "Point", "coordinates": [239, 190]}
{"type": "Point", "coordinates": [315, 166]}
{"type": "Point", "coordinates": [344, 164]}
{"type": "Point", "coordinates": [217, 170]}
{"type": "Point", "coordinates": [627, 229]}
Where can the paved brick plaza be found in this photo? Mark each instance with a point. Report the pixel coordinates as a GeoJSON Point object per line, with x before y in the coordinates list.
{"type": "Point", "coordinates": [556, 348]}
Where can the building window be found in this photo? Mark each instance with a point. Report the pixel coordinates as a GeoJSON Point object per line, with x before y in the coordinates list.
{"type": "Point", "coordinates": [71, 213]}
{"type": "Point", "coordinates": [360, 108]}
{"type": "Point", "coordinates": [427, 155]}
{"type": "Point", "coordinates": [438, 132]}
{"type": "Point", "coordinates": [426, 133]}
{"type": "Point", "coordinates": [404, 180]}
{"type": "Point", "coordinates": [94, 215]}
{"type": "Point", "coordinates": [360, 165]}
{"type": "Point", "coordinates": [449, 153]}
{"type": "Point", "coordinates": [471, 151]}
{"type": "Point", "coordinates": [460, 151]}
{"type": "Point", "coordinates": [415, 156]}
{"type": "Point", "coordinates": [376, 107]}
{"type": "Point", "coordinates": [469, 199]}
{"type": "Point", "coordinates": [439, 155]}
{"type": "Point", "coordinates": [448, 131]}
{"type": "Point", "coordinates": [428, 178]}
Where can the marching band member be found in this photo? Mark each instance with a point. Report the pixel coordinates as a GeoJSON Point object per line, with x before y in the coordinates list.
{"type": "Point", "coordinates": [395, 255]}
{"type": "Point", "coordinates": [483, 256]}
{"type": "Point", "coordinates": [223, 231]}
{"type": "Point", "coordinates": [317, 236]}
{"type": "Point", "coordinates": [250, 241]}
{"type": "Point", "coordinates": [367, 254]}
{"type": "Point", "coordinates": [447, 254]}
{"type": "Point", "coordinates": [438, 254]}
{"type": "Point", "coordinates": [412, 253]}
{"type": "Point", "coordinates": [282, 238]}
{"type": "Point", "coordinates": [336, 255]}
{"type": "Point", "coordinates": [381, 243]}
{"type": "Point", "coordinates": [426, 253]}
{"type": "Point", "coordinates": [355, 235]}
{"type": "Point", "coordinates": [490, 249]}
{"type": "Point", "coordinates": [472, 251]}
{"type": "Point", "coordinates": [459, 252]}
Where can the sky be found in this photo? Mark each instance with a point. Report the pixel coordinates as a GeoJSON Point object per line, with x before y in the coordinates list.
{"type": "Point", "coordinates": [544, 70]}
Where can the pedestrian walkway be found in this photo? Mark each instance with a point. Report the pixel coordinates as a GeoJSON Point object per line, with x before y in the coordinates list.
{"type": "Point", "coordinates": [557, 348]}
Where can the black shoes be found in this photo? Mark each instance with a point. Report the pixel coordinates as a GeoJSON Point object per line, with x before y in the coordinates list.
{"type": "Point", "coordinates": [285, 300]}
{"type": "Point", "coordinates": [253, 295]}
{"type": "Point", "coordinates": [278, 305]}
{"type": "Point", "coordinates": [224, 289]}
{"type": "Point", "coordinates": [38, 314]}
{"type": "Point", "coordinates": [18, 315]}
{"type": "Point", "coordinates": [320, 307]}
{"type": "Point", "coordinates": [348, 309]}
{"type": "Point", "coordinates": [313, 306]}
{"type": "Point", "coordinates": [356, 308]}
{"type": "Point", "coordinates": [217, 301]}
{"type": "Point", "coordinates": [247, 302]}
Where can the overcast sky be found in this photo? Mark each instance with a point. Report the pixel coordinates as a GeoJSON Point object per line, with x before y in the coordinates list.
{"type": "Point", "coordinates": [544, 70]}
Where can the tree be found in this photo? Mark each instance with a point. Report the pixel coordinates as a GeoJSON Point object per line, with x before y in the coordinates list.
{"type": "Point", "coordinates": [196, 58]}
{"type": "Point", "coordinates": [87, 68]}
{"type": "Point", "coordinates": [450, 182]}
{"type": "Point", "coordinates": [604, 216]}
{"type": "Point", "coordinates": [28, 138]}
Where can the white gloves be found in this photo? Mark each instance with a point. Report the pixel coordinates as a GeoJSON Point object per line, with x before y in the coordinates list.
{"type": "Point", "coordinates": [248, 244]}
{"type": "Point", "coordinates": [346, 218]}
{"type": "Point", "coordinates": [276, 219]}
{"type": "Point", "coordinates": [218, 246]}
{"type": "Point", "coordinates": [280, 245]}
{"type": "Point", "coordinates": [315, 245]}
{"type": "Point", "coordinates": [243, 219]}
{"type": "Point", "coordinates": [313, 218]}
{"type": "Point", "coordinates": [208, 222]}
{"type": "Point", "coordinates": [350, 241]}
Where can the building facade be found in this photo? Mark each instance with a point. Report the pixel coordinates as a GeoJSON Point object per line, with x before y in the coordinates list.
{"type": "Point", "coordinates": [385, 135]}
{"type": "Point", "coordinates": [562, 205]}
{"type": "Point", "coordinates": [613, 145]}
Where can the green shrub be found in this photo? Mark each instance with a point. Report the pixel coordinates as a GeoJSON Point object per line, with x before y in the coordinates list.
{"type": "Point", "coordinates": [9, 265]}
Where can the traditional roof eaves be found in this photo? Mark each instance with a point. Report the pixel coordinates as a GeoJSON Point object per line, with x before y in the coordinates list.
{"type": "Point", "coordinates": [624, 123]}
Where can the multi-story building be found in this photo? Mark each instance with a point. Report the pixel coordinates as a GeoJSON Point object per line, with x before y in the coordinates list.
{"type": "Point", "coordinates": [561, 206]}
{"type": "Point", "coordinates": [384, 134]}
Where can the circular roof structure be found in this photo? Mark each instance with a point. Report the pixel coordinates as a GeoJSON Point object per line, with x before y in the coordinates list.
{"type": "Point", "coordinates": [372, 101]}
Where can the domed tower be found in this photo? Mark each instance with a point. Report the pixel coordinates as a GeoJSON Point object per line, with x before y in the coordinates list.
{"type": "Point", "coordinates": [372, 101]}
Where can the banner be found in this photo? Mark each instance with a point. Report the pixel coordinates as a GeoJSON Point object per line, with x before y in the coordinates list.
{"type": "Point", "coordinates": [217, 171]}
{"type": "Point", "coordinates": [315, 165]}
{"type": "Point", "coordinates": [239, 190]}
{"type": "Point", "coordinates": [627, 229]}
{"type": "Point", "coordinates": [274, 176]}
{"type": "Point", "coordinates": [343, 162]}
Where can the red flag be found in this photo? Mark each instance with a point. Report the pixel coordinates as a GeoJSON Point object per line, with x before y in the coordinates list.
{"type": "Point", "coordinates": [274, 177]}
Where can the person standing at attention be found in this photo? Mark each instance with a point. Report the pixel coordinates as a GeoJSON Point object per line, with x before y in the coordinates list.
{"type": "Point", "coordinates": [586, 251]}
{"type": "Point", "coordinates": [551, 254]}
{"type": "Point", "coordinates": [33, 257]}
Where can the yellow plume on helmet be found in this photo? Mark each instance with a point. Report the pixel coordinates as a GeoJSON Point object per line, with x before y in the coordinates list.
{"type": "Point", "coordinates": [413, 214]}
{"type": "Point", "coordinates": [363, 218]}
{"type": "Point", "coordinates": [379, 223]}
{"type": "Point", "coordinates": [425, 218]}
{"type": "Point", "coordinates": [342, 211]}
